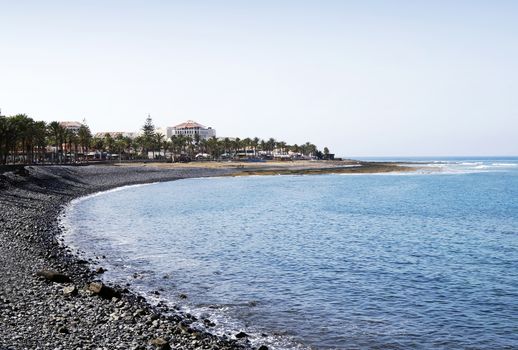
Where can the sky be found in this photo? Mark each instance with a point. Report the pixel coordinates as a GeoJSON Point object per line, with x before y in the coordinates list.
{"type": "Point", "coordinates": [364, 78]}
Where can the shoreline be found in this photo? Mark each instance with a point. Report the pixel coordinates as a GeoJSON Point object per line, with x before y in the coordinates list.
{"type": "Point", "coordinates": [32, 199]}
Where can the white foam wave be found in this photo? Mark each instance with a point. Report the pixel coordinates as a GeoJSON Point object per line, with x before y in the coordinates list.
{"type": "Point", "coordinates": [116, 189]}
{"type": "Point", "coordinates": [470, 163]}
{"type": "Point", "coordinates": [470, 167]}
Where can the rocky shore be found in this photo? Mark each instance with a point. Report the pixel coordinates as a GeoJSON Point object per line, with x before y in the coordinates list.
{"type": "Point", "coordinates": [50, 299]}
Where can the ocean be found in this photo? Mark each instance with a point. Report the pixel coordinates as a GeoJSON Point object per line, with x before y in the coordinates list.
{"type": "Point", "coordinates": [380, 261]}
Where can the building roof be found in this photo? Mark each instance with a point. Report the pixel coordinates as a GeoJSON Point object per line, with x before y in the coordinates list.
{"type": "Point", "coordinates": [190, 124]}
{"type": "Point", "coordinates": [67, 125]}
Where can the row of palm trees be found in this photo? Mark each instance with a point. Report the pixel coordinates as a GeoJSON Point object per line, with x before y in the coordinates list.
{"type": "Point", "coordinates": [26, 141]}
{"type": "Point", "coordinates": [158, 146]}
{"type": "Point", "coordinates": [234, 148]}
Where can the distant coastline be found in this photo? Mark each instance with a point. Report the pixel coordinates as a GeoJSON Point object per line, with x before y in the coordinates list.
{"type": "Point", "coordinates": [301, 167]}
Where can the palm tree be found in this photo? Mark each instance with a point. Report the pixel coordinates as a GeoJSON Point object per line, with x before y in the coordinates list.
{"type": "Point", "coordinates": [247, 142]}
{"type": "Point", "coordinates": [197, 140]}
{"type": "Point", "coordinates": [56, 131]}
{"type": "Point", "coordinates": [159, 138]}
{"type": "Point", "coordinates": [128, 146]}
{"type": "Point", "coordinates": [138, 145]}
{"type": "Point", "coordinates": [326, 153]}
{"type": "Point", "coordinates": [5, 136]}
{"type": "Point", "coordinates": [213, 147]}
{"type": "Point", "coordinates": [97, 144]}
{"type": "Point", "coordinates": [71, 139]}
{"type": "Point", "coordinates": [109, 142]}
{"type": "Point", "coordinates": [119, 145]}
{"type": "Point", "coordinates": [20, 124]}
{"type": "Point", "coordinates": [263, 146]}
{"type": "Point", "coordinates": [270, 144]}
{"type": "Point", "coordinates": [281, 145]}
{"type": "Point", "coordinates": [227, 144]}
{"type": "Point", "coordinates": [175, 146]}
{"type": "Point", "coordinates": [40, 140]}
{"type": "Point", "coordinates": [255, 143]}
{"type": "Point", "coordinates": [188, 145]}
{"type": "Point", "coordinates": [236, 145]}
{"type": "Point", "coordinates": [85, 137]}
{"type": "Point", "coordinates": [7, 139]}
{"type": "Point", "coordinates": [166, 146]}
{"type": "Point", "coordinates": [308, 149]}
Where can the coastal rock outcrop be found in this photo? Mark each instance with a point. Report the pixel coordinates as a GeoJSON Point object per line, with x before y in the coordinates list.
{"type": "Point", "coordinates": [54, 276]}
{"type": "Point", "coordinates": [103, 290]}
{"type": "Point", "coordinates": [160, 343]}
{"type": "Point", "coordinates": [70, 290]}
{"type": "Point", "coordinates": [241, 335]}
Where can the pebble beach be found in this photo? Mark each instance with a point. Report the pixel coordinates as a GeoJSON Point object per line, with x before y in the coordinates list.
{"type": "Point", "coordinates": [52, 299]}
{"type": "Point", "coordinates": [48, 297]}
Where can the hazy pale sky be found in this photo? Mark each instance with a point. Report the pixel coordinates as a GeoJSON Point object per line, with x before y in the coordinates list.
{"type": "Point", "coordinates": [365, 78]}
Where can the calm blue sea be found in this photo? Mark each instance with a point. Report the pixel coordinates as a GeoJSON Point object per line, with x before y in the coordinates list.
{"type": "Point", "coordinates": [395, 261]}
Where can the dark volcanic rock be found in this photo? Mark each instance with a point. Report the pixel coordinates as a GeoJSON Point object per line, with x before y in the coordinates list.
{"type": "Point", "coordinates": [22, 172]}
{"type": "Point", "coordinates": [103, 291]}
{"type": "Point", "coordinates": [241, 335]}
{"type": "Point", "coordinates": [208, 323]}
{"type": "Point", "coordinates": [53, 276]}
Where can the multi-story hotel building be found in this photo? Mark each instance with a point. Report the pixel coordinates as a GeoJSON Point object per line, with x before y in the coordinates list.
{"type": "Point", "coordinates": [191, 128]}
{"type": "Point", "coordinates": [71, 126]}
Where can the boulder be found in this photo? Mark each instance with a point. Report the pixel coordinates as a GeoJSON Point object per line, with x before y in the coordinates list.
{"type": "Point", "coordinates": [241, 335]}
{"type": "Point", "coordinates": [22, 172]}
{"type": "Point", "coordinates": [160, 343]}
{"type": "Point", "coordinates": [54, 276]}
{"type": "Point", "coordinates": [103, 291]}
{"type": "Point", "coordinates": [63, 330]}
{"type": "Point", "coordinates": [208, 323]}
{"type": "Point", "coordinates": [70, 290]}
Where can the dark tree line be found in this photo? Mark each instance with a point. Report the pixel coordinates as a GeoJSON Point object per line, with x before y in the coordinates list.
{"type": "Point", "coordinates": [218, 148]}
{"type": "Point", "coordinates": [26, 141]}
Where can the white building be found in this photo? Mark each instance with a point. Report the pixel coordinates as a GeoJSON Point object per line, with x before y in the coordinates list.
{"type": "Point", "coordinates": [191, 128]}
{"type": "Point", "coordinates": [71, 126]}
